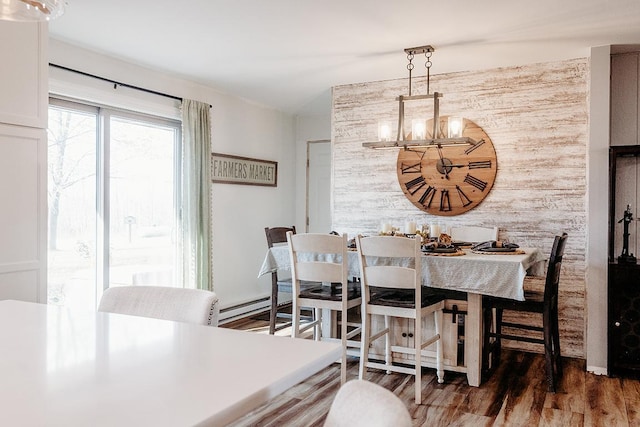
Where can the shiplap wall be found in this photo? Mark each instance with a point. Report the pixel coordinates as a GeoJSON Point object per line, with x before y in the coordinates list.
{"type": "Point", "coordinates": [536, 116]}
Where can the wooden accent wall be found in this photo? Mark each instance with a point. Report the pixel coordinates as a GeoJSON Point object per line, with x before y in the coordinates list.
{"type": "Point", "coordinates": [536, 116]}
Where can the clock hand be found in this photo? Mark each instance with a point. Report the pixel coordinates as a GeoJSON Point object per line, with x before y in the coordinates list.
{"type": "Point", "coordinates": [446, 171]}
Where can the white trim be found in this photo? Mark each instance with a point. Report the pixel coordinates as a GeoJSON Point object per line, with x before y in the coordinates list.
{"type": "Point", "coordinates": [597, 370]}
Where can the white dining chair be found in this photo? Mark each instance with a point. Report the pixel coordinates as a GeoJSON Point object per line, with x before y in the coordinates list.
{"type": "Point", "coordinates": [361, 403]}
{"type": "Point", "coordinates": [323, 258]}
{"type": "Point", "coordinates": [161, 302]}
{"type": "Point", "coordinates": [473, 234]}
{"type": "Point", "coordinates": [391, 278]}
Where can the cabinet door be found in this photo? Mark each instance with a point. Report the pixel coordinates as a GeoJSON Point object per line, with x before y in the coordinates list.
{"type": "Point", "coordinates": [624, 315]}
{"type": "Point", "coordinates": [402, 334]}
{"type": "Point", "coordinates": [23, 217]}
{"type": "Point", "coordinates": [23, 75]}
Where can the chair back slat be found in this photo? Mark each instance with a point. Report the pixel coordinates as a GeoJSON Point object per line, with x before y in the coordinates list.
{"type": "Point", "coordinates": [474, 234]}
{"type": "Point", "coordinates": [553, 269]}
{"type": "Point", "coordinates": [375, 270]}
{"type": "Point", "coordinates": [278, 234]}
{"type": "Point", "coordinates": [390, 277]}
{"type": "Point", "coordinates": [319, 272]}
{"type": "Point", "coordinates": [308, 260]}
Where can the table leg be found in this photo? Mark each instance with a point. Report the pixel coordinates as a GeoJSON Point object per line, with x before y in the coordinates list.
{"type": "Point", "coordinates": [473, 339]}
{"type": "Point", "coordinates": [329, 323]}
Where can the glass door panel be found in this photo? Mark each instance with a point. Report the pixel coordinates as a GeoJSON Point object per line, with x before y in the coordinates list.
{"type": "Point", "coordinates": [142, 220]}
{"type": "Point", "coordinates": [72, 207]}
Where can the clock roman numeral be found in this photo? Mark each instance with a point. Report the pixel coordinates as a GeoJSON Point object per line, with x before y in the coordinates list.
{"type": "Point", "coordinates": [406, 168]}
{"type": "Point", "coordinates": [416, 183]}
{"type": "Point", "coordinates": [427, 196]}
{"type": "Point", "coordinates": [474, 146]}
{"type": "Point", "coordinates": [463, 197]}
{"type": "Point", "coordinates": [484, 164]}
{"type": "Point", "coordinates": [445, 204]}
{"type": "Point", "coordinates": [478, 183]}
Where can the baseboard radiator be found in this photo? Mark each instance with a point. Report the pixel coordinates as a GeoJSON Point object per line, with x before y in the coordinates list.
{"type": "Point", "coordinates": [228, 314]}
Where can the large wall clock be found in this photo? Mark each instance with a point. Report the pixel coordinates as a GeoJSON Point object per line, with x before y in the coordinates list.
{"type": "Point", "coordinates": [446, 179]}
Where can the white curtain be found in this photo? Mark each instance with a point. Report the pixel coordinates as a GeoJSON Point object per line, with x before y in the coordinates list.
{"type": "Point", "coordinates": [196, 200]}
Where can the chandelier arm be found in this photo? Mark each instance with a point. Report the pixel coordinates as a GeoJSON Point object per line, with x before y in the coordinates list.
{"type": "Point", "coordinates": [400, 136]}
{"type": "Point", "coordinates": [436, 115]}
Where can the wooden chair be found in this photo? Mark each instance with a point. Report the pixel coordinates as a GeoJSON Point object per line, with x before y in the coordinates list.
{"type": "Point", "coordinates": [365, 404]}
{"type": "Point", "coordinates": [161, 302]}
{"type": "Point", "coordinates": [323, 258]}
{"type": "Point", "coordinates": [541, 297]}
{"type": "Point", "coordinates": [395, 291]}
{"type": "Point", "coordinates": [275, 236]}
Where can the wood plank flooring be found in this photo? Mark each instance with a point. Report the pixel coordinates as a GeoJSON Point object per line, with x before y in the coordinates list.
{"type": "Point", "coordinates": [515, 395]}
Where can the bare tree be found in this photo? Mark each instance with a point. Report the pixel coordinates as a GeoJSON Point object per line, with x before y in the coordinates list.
{"type": "Point", "coordinates": [66, 170]}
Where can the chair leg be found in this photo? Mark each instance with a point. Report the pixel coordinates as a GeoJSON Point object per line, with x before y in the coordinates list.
{"type": "Point", "coordinates": [497, 343]}
{"type": "Point", "coordinates": [417, 340]}
{"type": "Point", "coordinates": [487, 320]}
{"type": "Point", "coordinates": [343, 338]}
{"type": "Point", "coordinates": [274, 304]}
{"type": "Point", "coordinates": [295, 319]}
{"type": "Point", "coordinates": [387, 342]}
{"type": "Point", "coordinates": [364, 344]}
{"type": "Point", "coordinates": [439, 320]}
{"type": "Point", "coordinates": [556, 344]}
{"type": "Point", "coordinates": [547, 324]}
{"type": "Point", "coordinates": [317, 329]}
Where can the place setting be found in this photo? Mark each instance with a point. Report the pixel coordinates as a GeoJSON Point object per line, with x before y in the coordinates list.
{"type": "Point", "coordinates": [497, 247]}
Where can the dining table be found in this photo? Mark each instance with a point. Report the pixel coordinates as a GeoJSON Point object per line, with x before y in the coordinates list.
{"type": "Point", "coordinates": [63, 367]}
{"type": "Point", "coordinates": [497, 274]}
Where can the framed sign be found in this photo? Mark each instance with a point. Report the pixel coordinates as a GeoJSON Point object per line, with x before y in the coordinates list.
{"type": "Point", "coordinates": [228, 169]}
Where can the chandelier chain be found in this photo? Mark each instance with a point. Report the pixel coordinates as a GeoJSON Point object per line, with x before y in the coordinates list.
{"type": "Point", "coordinates": [410, 68]}
{"type": "Point", "coordinates": [428, 65]}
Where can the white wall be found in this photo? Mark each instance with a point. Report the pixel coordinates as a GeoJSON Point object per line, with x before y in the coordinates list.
{"type": "Point", "coordinates": [597, 210]}
{"type": "Point", "coordinates": [239, 127]}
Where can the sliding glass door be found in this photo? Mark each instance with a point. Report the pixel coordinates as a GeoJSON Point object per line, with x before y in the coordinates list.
{"type": "Point", "coordinates": [113, 216]}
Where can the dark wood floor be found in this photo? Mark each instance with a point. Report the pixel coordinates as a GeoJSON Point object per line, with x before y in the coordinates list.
{"type": "Point", "coordinates": [515, 395]}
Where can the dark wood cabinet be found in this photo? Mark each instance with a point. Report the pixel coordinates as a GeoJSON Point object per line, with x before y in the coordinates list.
{"type": "Point", "coordinates": [624, 319]}
{"type": "Point", "coordinates": [624, 278]}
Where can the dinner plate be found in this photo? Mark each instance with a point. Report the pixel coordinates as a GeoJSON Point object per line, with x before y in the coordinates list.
{"type": "Point", "coordinates": [440, 250]}
{"type": "Point", "coordinates": [498, 250]}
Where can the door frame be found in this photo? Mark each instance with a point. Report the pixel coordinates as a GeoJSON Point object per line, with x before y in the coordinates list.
{"type": "Point", "coordinates": [306, 192]}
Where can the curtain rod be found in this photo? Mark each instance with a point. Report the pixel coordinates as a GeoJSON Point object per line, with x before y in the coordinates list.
{"type": "Point", "coordinates": [116, 83]}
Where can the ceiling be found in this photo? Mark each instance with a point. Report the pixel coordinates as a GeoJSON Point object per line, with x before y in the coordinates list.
{"type": "Point", "coordinates": [287, 54]}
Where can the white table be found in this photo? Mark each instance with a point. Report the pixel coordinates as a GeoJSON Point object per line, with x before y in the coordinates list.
{"type": "Point", "coordinates": [473, 273]}
{"type": "Point", "coordinates": [64, 368]}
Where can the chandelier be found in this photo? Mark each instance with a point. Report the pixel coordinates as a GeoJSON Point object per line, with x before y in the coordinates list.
{"type": "Point", "coordinates": [421, 135]}
{"type": "Point", "coordinates": [31, 10]}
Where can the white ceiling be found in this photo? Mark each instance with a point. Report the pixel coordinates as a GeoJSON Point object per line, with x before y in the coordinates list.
{"type": "Point", "coordinates": [287, 54]}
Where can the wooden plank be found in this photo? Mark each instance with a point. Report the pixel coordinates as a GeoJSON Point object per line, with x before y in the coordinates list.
{"type": "Point", "coordinates": [604, 402]}
{"type": "Point", "coordinates": [515, 394]}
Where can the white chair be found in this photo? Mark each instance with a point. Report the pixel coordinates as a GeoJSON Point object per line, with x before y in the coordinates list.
{"type": "Point", "coordinates": [473, 234]}
{"type": "Point", "coordinates": [391, 276]}
{"type": "Point", "coordinates": [160, 302]}
{"type": "Point", "coordinates": [323, 258]}
{"type": "Point", "coordinates": [365, 404]}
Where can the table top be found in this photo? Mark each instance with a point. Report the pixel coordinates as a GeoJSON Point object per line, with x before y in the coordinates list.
{"type": "Point", "coordinates": [499, 275]}
{"type": "Point", "coordinates": [60, 367]}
